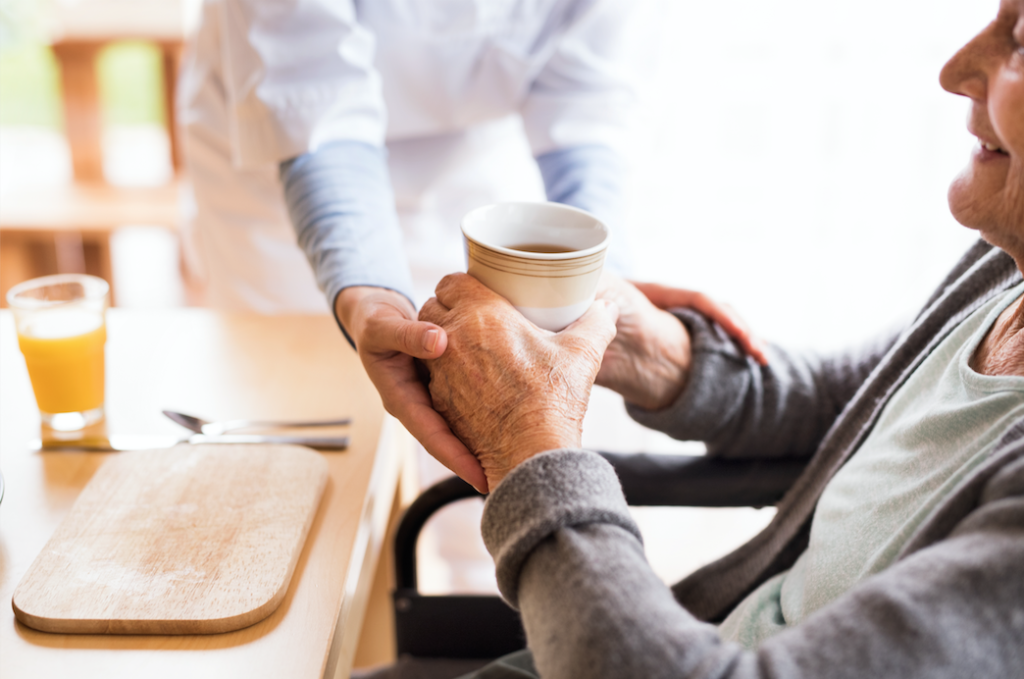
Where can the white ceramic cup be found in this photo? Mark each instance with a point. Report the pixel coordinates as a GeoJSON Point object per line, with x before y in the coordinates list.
{"type": "Point", "coordinates": [552, 289]}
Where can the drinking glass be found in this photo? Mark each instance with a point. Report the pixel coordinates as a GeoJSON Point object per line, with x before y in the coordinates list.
{"type": "Point", "coordinates": [61, 324]}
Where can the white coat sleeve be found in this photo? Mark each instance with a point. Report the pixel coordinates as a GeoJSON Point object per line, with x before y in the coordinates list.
{"type": "Point", "coordinates": [298, 74]}
{"type": "Point", "coordinates": [584, 94]}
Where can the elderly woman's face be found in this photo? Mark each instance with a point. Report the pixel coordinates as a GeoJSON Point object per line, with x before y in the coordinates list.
{"type": "Point", "coordinates": [989, 194]}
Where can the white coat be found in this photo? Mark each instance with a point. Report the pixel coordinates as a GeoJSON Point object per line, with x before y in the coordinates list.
{"type": "Point", "coordinates": [462, 92]}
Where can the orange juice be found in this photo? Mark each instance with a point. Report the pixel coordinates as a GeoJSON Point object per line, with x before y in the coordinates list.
{"type": "Point", "coordinates": [64, 353]}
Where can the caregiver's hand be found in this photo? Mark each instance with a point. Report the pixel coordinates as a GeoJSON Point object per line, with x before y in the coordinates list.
{"type": "Point", "coordinates": [383, 325]}
{"type": "Point", "coordinates": [649, 360]}
{"type": "Point", "coordinates": [508, 389]}
{"type": "Point", "coordinates": [666, 298]}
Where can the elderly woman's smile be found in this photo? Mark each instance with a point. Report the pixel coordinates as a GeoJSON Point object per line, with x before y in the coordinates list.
{"type": "Point", "coordinates": [989, 193]}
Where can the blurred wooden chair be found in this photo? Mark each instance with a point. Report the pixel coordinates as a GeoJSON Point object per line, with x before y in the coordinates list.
{"type": "Point", "coordinates": [68, 229]}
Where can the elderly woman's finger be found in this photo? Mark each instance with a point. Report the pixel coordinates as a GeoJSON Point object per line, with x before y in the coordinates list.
{"type": "Point", "coordinates": [433, 312]}
{"type": "Point", "coordinates": [665, 297]}
{"type": "Point", "coordinates": [459, 288]}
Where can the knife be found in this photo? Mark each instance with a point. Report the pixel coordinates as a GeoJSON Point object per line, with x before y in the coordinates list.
{"type": "Point", "coordinates": [120, 442]}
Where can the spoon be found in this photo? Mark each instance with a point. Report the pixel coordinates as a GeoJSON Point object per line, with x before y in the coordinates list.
{"type": "Point", "coordinates": [208, 428]}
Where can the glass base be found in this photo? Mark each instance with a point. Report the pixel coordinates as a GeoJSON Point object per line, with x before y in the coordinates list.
{"type": "Point", "coordinates": [72, 422]}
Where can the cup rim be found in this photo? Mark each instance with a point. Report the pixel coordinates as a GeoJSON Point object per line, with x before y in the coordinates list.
{"type": "Point", "coordinates": [523, 254]}
{"type": "Point", "coordinates": [96, 286]}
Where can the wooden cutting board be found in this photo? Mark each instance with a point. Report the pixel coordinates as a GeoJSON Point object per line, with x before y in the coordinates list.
{"type": "Point", "coordinates": [188, 540]}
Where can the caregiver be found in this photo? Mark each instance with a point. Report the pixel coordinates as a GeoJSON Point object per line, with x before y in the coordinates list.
{"type": "Point", "coordinates": [333, 147]}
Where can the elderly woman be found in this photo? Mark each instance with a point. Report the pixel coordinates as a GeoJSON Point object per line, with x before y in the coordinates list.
{"type": "Point", "coordinates": [898, 553]}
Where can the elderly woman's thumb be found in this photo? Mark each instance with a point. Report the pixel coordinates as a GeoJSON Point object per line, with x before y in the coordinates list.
{"type": "Point", "coordinates": [597, 326]}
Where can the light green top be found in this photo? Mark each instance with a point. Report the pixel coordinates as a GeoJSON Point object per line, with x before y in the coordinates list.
{"type": "Point", "coordinates": [938, 426]}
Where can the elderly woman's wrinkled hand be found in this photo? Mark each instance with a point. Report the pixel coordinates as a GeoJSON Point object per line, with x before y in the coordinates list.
{"type": "Point", "coordinates": [648, 362]}
{"type": "Point", "coordinates": [508, 389]}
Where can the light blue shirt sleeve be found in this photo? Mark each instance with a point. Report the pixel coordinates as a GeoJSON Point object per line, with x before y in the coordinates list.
{"type": "Point", "coordinates": [591, 178]}
{"type": "Point", "coordinates": [343, 211]}
{"type": "Point", "coordinates": [342, 208]}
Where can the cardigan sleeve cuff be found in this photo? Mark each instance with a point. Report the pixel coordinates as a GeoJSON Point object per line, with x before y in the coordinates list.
{"type": "Point", "coordinates": [554, 490]}
{"type": "Point", "coordinates": [719, 369]}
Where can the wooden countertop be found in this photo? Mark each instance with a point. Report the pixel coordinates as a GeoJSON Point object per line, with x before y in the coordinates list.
{"type": "Point", "coordinates": [219, 366]}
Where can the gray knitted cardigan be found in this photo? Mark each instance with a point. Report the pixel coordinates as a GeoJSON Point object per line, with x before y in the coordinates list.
{"type": "Point", "coordinates": [569, 556]}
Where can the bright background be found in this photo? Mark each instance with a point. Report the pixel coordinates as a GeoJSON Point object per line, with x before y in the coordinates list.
{"type": "Point", "coordinates": [33, 151]}
{"type": "Point", "coordinates": [798, 157]}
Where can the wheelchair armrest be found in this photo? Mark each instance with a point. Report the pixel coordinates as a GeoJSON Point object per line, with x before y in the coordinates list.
{"type": "Point", "coordinates": [696, 481]}
{"type": "Point", "coordinates": [647, 480]}
{"type": "Point", "coordinates": [468, 626]}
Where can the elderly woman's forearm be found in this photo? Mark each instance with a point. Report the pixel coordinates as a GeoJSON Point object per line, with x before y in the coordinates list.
{"type": "Point", "coordinates": [743, 409]}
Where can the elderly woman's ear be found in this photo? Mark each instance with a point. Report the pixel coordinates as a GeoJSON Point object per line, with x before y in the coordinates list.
{"type": "Point", "coordinates": [508, 389]}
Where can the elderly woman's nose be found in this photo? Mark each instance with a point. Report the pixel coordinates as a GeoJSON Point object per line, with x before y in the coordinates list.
{"type": "Point", "coordinates": [965, 74]}
{"type": "Point", "coordinates": [961, 76]}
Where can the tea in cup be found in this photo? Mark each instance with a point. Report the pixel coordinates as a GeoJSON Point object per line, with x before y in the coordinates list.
{"type": "Point", "coordinates": [61, 325]}
{"type": "Point", "coordinates": [544, 258]}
